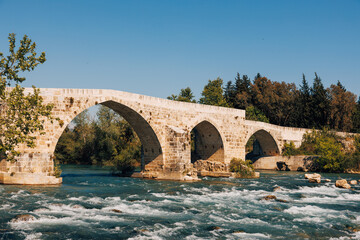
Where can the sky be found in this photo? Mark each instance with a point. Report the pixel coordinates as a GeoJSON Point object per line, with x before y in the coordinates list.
{"type": "Point", "coordinates": [158, 47]}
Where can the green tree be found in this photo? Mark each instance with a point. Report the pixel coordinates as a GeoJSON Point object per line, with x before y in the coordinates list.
{"type": "Point", "coordinates": [253, 113]}
{"type": "Point", "coordinates": [243, 87]}
{"type": "Point", "coordinates": [304, 118]}
{"type": "Point", "coordinates": [342, 107]}
{"type": "Point", "coordinates": [356, 117]}
{"type": "Point", "coordinates": [186, 95]}
{"type": "Point", "coordinates": [213, 94]}
{"type": "Point", "coordinates": [320, 104]}
{"type": "Point", "coordinates": [22, 112]}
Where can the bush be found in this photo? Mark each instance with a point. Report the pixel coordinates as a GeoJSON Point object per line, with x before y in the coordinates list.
{"type": "Point", "coordinates": [290, 149]}
{"type": "Point", "coordinates": [326, 145]}
{"type": "Point", "coordinates": [242, 168]}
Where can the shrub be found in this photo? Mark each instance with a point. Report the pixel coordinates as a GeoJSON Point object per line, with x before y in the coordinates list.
{"type": "Point", "coordinates": [242, 168]}
{"type": "Point", "coordinates": [290, 149]}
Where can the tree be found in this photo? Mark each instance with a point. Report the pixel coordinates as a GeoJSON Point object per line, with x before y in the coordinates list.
{"type": "Point", "coordinates": [242, 92]}
{"type": "Point", "coordinates": [342, 107]}
{"type": "Point", "coordinates": [252, 113]}
{"type": "Point", "coordinates": [186, 95]}
{"type": "Point", "coordinates": [274, 99]}
{"type": "Point", "coordinates": [356, 118]}
{"type": "Point", "coordinates": [229, 93]}
{"type": "Point", "coordinates": [22, 112]}
{"type": "Point", "coordinates": [320, 104]}
{"type": "Point", "coordinates": [213, 93]}
{"type": "Point", "coordinates": [304, 105]}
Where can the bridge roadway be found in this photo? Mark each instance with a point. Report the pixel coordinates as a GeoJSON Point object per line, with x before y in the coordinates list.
{"type": "Point", "coordinates": [164, 128]}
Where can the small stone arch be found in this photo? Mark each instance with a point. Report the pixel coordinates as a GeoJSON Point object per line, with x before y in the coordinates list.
{"type": "Point", "coordinates": [152, 153]}
{"type": "Point", "coordinates": [208, 142]}
{"type": "Point", "coordinates": [267, 143]}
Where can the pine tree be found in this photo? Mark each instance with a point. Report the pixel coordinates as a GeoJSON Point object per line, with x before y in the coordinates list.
{"type": "Point", "coordinates": [320, 104]}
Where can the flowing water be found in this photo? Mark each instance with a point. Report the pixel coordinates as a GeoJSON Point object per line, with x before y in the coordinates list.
{"type": "Point", "coordinates": [215, 208]}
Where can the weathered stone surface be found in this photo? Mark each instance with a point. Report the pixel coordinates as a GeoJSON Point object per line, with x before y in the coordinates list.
{"type": "Point", "coordinates": [211, 168]}
{"type": "Point", "coordinates": [313, 178]}
{"type": "Point", "coordinates": [285, 163]}
{"type": "Point", "coordinates": [342, 183]}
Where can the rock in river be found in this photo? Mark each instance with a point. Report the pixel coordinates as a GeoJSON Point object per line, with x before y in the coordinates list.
{"type": "Point", "coordinates": [342, 183]}
{"type": "Point", "coordinates": [313, 178]}
{"type": "Point", "coordinates": [23, 218]}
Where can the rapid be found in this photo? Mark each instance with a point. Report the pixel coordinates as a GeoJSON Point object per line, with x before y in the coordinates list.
{"type": "Point", "coordinates": [93, 204]}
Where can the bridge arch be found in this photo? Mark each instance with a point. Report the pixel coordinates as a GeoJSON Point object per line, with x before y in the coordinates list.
{"type": "Point", "coordinates": [207, 142]}
{"type": "Point", "coordinates": [264, 144]}
{"type": "Point", "coordinates": [151, 154]}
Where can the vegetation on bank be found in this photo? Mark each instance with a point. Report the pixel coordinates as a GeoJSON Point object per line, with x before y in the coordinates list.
{"type": "Point", "coordinates": [334, 155]}
{"type": "Point", "coordinates": [243, 169]}
{"type": "Point", "coordinates": [105, 140]}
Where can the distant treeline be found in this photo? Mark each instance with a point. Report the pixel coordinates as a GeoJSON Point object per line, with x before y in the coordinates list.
{"type": "Point", "coordinates": [283, 103]}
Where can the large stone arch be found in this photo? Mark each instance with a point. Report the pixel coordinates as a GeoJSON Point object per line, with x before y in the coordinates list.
{"type": "Point", "coordinates": [152, 153]}
{"type": "Point", "coordinates": [209, 144]}
{"type": "Point", "coordinates": [268, 143]}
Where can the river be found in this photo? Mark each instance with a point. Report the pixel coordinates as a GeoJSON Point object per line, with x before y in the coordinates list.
{"type": "Point", "coordinates": [214, 208]}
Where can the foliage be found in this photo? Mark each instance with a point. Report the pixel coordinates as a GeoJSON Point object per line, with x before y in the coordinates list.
{"type": "Point", "coordinates": [213, 93]}
{"type": "Point", "coordinates": [22, 113]}
{"type": "Point", "coordinates": [290, 149]}
{"type": "Point", "coordinates": [356, 117]}
{"type": "Point", "coordinates": [320, 104]}
{"type": "Point", "coordinates": [328, 146]}
{"type": "Point", "coordinates": [242, 168]}
{"type": "Point", "coordinates": [186, 95]}
{"type": "Point", "coordinates": [343, 106]}
{"type": "Point", "coordinates": [108, 140]}
{"type": "Point", "coordinates": [253, 113]}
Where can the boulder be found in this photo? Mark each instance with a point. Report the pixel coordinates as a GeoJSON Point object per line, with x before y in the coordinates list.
{"type": "Point", "coordinates": [116, 210]}
{"type": "Point", "coordinates": [353, 182]}
{"type": "Point", "coordinates": [313, 178]}
{"type": "Point", "coordinates": [276, 189]}
{"type": "Point", "coordinates": [269, 197]}
{"type": "Point", "coordinates": [23, 218]}
{"type": "Point", "coordinates": [342, 183]}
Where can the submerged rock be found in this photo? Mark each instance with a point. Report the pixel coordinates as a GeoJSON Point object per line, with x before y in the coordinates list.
{"type": "Point", "coordinates": [342, 183]}
{"type": "Point", "coordinates": [269, 197]}
{"type": "Point", "coordinates": [276, 189]}
{"type": "Point", "coordinates": [23, 218]}
{"type": "Point", "coordinates": [116, 210]}
{"type": "Point", "coordinates": [214, 228]}
{"type": "Point", "coordinates": [313, 178]}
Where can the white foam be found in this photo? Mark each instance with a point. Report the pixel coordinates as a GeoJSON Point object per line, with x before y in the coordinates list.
{"type": "Point", "coordinates": [33, 236]}
{"type": "Point", "coordinates": [244, 235]}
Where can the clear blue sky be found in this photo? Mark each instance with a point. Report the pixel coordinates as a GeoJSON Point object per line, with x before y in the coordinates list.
{"type": "Point", "coordinates": [158, 47]}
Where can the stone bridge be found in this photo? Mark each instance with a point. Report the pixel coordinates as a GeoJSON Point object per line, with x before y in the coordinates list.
{"type": "Point", "coordinates": [164, 128]}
